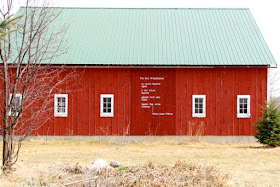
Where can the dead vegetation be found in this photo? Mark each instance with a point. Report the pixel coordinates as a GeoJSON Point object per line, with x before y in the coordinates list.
{"type": "Point", "coordinates": [52, 163]}
{"type": "Point", "coordinates": [181, 174]}
{"type": "Point", "coordinates": [195, 131]}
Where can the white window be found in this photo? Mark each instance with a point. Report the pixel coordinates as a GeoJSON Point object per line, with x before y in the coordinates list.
{"type": "Point", "coordinates": [243, 106]}
{"type": "Point", "coordinates": [199, 106]}
{"type": "Point", "coordinates": [107, 105]}
{"type": "Point", "coordinates": [60, 105]}
{"type": "Point", "coordinates": [15, 104]}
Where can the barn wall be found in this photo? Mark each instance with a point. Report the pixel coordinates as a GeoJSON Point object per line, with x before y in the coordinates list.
{"type": "Point", "coordinates": [171, 114]}
{"type": "Point", "coordinates": [84, 105]}
{"type": "Point", "coordinates": [221, 87]}
{"type": "Point", "coordinates": [153, 101]}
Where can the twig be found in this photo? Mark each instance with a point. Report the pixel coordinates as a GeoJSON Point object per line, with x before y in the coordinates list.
{"type": "Point", "coordinates": [80, 181]}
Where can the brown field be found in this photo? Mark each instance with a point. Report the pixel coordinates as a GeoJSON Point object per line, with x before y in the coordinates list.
{"type": "Point", "coordinates": [245, 164]}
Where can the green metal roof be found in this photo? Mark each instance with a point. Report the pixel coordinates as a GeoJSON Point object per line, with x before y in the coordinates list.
{"type": "Point", "coordinates": [163, 36]}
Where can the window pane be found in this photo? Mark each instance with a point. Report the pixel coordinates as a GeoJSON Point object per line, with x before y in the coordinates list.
{"type": "Point", "coordinates": [243, 105]}
{"type": "Point", "coordinates": [17, 101]}
{"type": "Point", "coordinates": [63, 102]}
{"type": "Point", "coordinates": [107, 105]}
{"type": "Point", "coordinates": [15, 105]}
{"type": "Point", "coordinates": [61, 105]}
{"type": "Point", "coordinates": [198, 104]}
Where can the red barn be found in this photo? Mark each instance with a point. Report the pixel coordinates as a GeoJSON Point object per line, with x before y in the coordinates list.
{"type": "Point", "coordinates": [157, 71]}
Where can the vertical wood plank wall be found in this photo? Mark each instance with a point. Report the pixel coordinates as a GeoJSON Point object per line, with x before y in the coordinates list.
{"type": "Point", "coordinates": [220, 85]}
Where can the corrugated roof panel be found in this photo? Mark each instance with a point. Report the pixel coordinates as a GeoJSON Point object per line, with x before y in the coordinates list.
{"type": "Point", "coordinates": [173, 36]}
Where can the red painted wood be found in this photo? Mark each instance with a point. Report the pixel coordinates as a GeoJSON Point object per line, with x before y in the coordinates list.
{"type": "Point", "coordinates": [179, 102]}
{"type": "Point", "coordinates": [230, 102]}
{"type": "Point", "coordinates": [190, 79]}
{"type": "Point", "coordinates": [185, 103]}
{"type": "Point", "coordinates": [220, 85]}
{"type": "Point", "coordinates": [212, 107]}
{"type": "Point", "coordinates": [153, 102]}
{"type": "Point", "coordinates": [218, 103]}
{"type": "Point", "coordinates": [224, 84]}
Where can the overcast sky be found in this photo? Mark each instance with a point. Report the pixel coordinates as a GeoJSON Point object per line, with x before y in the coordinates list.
{"type": "Point", "coordinates": [265, 12]}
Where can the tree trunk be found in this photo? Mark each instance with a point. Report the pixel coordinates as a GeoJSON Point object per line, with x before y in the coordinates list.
{"type": "Point", "coordinates": [5, 157]}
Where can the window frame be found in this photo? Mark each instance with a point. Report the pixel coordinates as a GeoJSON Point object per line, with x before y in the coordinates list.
{"type": "Point", "coordinates": [60, 114]}
{"type": "Point", "coordinates": [16, 95]}
{"type": "Point", "coordinates": [244, 115]}
{"type": "Point", "coordinates": [199, 115]}
{"type": "Point", "coordinates": [107, 114]}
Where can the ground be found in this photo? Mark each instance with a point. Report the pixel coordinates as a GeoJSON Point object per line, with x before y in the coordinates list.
{"type": "Point", "coordinates": [245, 164]}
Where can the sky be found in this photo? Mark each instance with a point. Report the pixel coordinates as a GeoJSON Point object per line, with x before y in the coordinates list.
{"type": "Point", "coordinates": [265, 12]}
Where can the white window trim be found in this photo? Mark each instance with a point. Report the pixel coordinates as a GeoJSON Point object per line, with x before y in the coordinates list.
{"type": "Point", "coordinates": [56, 114]}
{"type": "Point", "coordinates": [17, 95]}
{"type": "Point", "coordinates": [203, 115]}
{"type": "Point", "coordinates": [248, 115]}
{"type": "Point", "coordinates": [102, 114]}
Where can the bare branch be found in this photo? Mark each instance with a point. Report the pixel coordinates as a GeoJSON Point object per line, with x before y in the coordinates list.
{"type": "Point", "coordinates": [29, 81]}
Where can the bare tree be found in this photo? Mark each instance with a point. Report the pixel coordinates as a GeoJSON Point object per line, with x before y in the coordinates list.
{"type": "Point", "coordinates": [28, 78]}
{"type": "Point", "coordinates": [273, 82]}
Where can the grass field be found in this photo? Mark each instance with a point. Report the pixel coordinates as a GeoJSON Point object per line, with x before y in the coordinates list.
{"type": "Point", "coordinates": [246, 164]}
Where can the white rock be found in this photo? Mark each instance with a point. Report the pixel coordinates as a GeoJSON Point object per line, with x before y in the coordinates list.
{"type": "Point", "coordinates": [230, 183]}
{"type": "Point", "coordinates": [99, 164]}
{"type": "Point", "coordinates": [115, 164]}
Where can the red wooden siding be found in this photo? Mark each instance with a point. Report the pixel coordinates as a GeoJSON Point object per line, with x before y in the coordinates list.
{"type": "Point", "coordinates": [154, 114]}
{"type": "Point", "coordinates": [173, 113]}
{"type": "Point", "coordinates": [221, 87]}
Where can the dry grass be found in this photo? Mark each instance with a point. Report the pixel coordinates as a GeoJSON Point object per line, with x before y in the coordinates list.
{"type": "Point", "coordinates": [246, 164]}
{"type": "Point", "coordinates": [181, 174]}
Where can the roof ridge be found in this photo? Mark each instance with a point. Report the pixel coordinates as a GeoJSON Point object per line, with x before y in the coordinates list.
{"type": "Point", "coordinates": [142, 8]}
